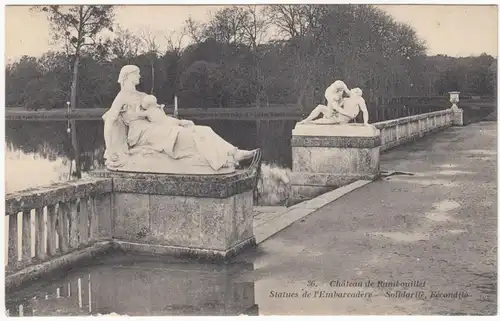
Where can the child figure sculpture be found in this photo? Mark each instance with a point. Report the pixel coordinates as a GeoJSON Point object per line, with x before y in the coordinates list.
{"type": "Point", "coordinates": [155, 114]}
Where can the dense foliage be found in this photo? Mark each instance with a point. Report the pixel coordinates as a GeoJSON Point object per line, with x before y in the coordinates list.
{"type": "Point", "coordinates": [256, 55]}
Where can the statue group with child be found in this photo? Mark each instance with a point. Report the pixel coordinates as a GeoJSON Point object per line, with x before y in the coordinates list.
{"type": "Point", "coordinates": [141, 137]}
{"type": "Point", "coordinates": [339, 109]}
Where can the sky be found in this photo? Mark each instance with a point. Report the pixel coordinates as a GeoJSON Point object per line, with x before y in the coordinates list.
{"type": "Point", "coordinates": [454, 30]}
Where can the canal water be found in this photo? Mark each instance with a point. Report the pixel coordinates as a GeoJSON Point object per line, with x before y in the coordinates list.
{"type": "Point", "coordinates": [140, 286]}
{"type": "Point", "coordinates": [39, 152]}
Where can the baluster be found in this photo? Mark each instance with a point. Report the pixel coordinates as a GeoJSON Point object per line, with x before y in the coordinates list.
{"type": "Point", "coordinates": [51, 230]}
{"type": "Point", "coordinates": [13, 254]}
{"type": "Point", "coordinates": [69, 291]}
{"type": "Point", "coordinates": [40, 228]}
{"type": "Point", "coordinates": [62, 227]}
{"type": "Point", "coordinates": [90, 294]}
{"type": "Point", "coordinates": [26, 237]}
{"type": "Point", "coordinates": [83, 221]}
{"type": "Point", "coordinates": [80, 301]}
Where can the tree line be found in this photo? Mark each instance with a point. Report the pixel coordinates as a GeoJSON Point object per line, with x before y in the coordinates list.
{"type": "Point", "coordinates": [242, 56]}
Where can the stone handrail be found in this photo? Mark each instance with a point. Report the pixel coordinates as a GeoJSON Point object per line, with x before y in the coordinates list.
{"type": "Point", "coordinates": [66, 216]}
{"type": "Point", "coordinates": [398, 131]}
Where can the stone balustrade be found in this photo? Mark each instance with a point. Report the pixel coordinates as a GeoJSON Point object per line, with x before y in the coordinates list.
{"type": "Point", "coordinates": [46, 223]}
{"type": "Point", "coordinates": [399, 131]}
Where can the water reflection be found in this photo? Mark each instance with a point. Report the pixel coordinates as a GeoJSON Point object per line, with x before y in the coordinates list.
{"type": "Point", "coordinates": [149, 287]}
{"type": "Point", "coordinates": [40, 152]}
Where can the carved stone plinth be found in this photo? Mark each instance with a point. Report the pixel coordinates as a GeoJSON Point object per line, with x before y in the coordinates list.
{"type": "Point", "coordinates": [457, 118]}
{"type": "Point", "coordinates": [326, 157]}
{"type": "Point", "coordinates": [208, 216]}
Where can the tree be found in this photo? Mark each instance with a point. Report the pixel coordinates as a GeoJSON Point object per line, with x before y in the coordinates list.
{"type": "Point", "coordinates": [151, 49]}
{"type": "Point", "coordinates": [194, 30]}
{"type": "Point", "coordinates": [125, 44]}
{"type": "Point", "coordinates": [293, 20]}
{"type": "Point", "coordinates": [227, 25]}
{"type": "Point", "coordinates": [17, 77]}
{"type": "Point", "coordinates": [79, 27]}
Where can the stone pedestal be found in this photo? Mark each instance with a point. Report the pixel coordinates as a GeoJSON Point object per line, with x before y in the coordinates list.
{"type": "Point", "coordinates": [209, 216]}
{"type": "Point", "coordinates": [457, 118]}
{"type": "Point", "coordinates": [326, 157]}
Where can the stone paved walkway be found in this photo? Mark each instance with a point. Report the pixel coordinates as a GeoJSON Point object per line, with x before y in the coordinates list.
{"type": "Point", "coordinates": [437, 226]}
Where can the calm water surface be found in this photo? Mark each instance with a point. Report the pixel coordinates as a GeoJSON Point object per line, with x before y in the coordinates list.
{"type": "Point", "coordinates": [40, 153]}
{"type": "Point", "coordinates": [141, 286]}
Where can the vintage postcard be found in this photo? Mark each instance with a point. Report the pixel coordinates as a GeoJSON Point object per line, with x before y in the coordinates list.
{"type": "Point", "coordinates": [271, 159]}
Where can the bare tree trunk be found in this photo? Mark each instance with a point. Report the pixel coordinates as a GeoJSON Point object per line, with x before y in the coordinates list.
{"type": "Point", "coordinates": [74, 81]}
{"type": "Point", "coordinates": [74, 141]}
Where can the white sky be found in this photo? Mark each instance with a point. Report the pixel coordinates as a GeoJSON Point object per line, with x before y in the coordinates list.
{"type": "Point", "coordinates": [455, 30]}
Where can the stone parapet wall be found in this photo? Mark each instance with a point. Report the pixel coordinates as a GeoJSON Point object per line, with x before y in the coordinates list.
{"type": "Point", "coordinates": [72, 222]}
{"type": "Point", "coordinates": [399, 131]}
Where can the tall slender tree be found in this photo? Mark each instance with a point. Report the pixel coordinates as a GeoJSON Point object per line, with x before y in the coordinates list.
{"type": "Point", "coordinates": [77, 27]}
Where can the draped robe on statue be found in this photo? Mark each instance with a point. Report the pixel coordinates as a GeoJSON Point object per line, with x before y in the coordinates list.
{"type": "Point", "coordinates": [133, 143]}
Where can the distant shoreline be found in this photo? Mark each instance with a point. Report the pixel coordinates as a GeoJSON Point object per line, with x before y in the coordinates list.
{"type": "Point", "coordinates": [276, 112]}
{"type": "Point", "coordinates": [250, 113]}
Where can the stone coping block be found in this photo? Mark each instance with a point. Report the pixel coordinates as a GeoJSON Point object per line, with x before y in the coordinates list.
{"type": "Point", "coordinates": [53, 194]}
{"type": "Point", "coordinates": [213, 186]}
{"type": "Point", "coordinates": [336, 141]}
{"type": "Point", "coordinates": [342, 130]}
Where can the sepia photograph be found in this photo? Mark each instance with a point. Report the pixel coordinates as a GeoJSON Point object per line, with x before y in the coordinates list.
{"type": "Point", "coordinates": [319, 159]}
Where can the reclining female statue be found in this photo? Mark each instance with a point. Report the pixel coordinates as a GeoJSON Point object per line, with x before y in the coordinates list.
{"type": "Point", "coordinates": [138, 143]}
